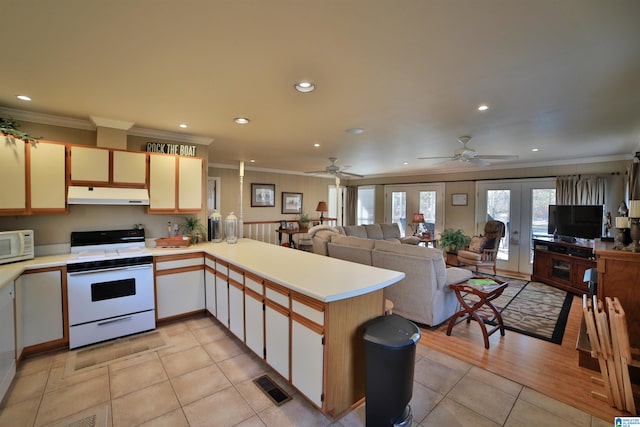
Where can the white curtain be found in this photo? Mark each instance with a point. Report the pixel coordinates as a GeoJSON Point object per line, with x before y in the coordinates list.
{"type": "Point", "coordinates": [578, 190]}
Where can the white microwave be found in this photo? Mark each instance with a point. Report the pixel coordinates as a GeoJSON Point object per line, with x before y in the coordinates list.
{"type": "Point", "coordinates": [16, 245]}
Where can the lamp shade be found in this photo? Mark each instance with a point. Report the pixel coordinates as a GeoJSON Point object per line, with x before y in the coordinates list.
{"type": "Point", "coordinates": [322, 207]}
{"type": "Point", "coordinates": [634, 208]}
{"type": "Point", "coordinates": [418, 218]}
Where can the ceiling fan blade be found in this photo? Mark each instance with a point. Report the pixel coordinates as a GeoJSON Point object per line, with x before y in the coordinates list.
{"type": "Point", "coordinates": [350, 174]}
{"type": "Point", "coordinates": [497, 157]}
{"type": "Point", "coordinates": [317, 172]}
{"type": "Point", "coordinates": [436, 158]}
{"type": "Point", "coordinates": [476, 161]}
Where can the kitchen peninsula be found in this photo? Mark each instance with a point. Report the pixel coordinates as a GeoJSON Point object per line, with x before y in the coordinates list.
{"type": "Point", "coordinates": [300, 312]}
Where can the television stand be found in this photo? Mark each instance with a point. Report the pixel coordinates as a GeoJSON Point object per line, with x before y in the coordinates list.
{"type": "Point", "coordinates": [562, 264]}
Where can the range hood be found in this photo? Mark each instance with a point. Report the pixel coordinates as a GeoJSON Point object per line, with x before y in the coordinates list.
{"type": "Point", "coordinates": [78, 195]}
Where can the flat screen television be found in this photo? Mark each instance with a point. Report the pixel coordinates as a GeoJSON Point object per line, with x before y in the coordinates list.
{"type": "Point", "coordinates": [576, 221]}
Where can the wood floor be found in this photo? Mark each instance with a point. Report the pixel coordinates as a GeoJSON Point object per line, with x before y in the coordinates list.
{"type": "Point", "coordinates": [548, 368]}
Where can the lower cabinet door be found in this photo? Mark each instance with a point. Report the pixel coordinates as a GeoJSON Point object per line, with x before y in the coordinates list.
{"type": "Point", "coordinates": [254, 326]}
{"type": "Point", "coordinates": [236, 311]}
{"type": "Point", "coordinates": [179, 293]}
{"type": "Point", "coordinates": [222, 300]}
{"type": "Point", "coordinates": [42, 317]}
{"type": "Point", "coordinates": [277, 340]}
{"type": "Point", "coordinates": [307, 361]}
{"type": "Point", "coordinates": [210, 291]}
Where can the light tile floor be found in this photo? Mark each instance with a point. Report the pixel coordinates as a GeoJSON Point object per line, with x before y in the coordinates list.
{"type": "Point", "coordinates": [205, 379]}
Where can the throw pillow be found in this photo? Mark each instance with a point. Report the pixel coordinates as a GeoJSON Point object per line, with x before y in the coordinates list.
{"type": "Point", "coordinates": [477, 244]}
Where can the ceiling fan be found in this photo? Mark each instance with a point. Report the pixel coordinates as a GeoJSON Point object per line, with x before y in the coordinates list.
{"type": "Point", "coordinates": [469, 155]}
{"type": "Point", "coordinates": [335, 170]}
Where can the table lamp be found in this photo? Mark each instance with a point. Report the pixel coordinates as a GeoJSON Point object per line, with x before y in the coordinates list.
{"type": "Point", "coordinates": [418, 218]}
{"type": "Point", "coordinates": [322, 208]}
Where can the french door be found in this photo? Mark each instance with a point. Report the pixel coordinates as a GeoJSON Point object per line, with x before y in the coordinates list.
{"type": "Point", "coordinates": [402, 201]}
{"type": "Point", "coordinates": [523, 206]}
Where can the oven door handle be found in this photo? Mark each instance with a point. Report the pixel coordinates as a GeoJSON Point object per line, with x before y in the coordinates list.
{"type": "Point", "coordinates": [128, 268]}
{"type": "Point", "coordinates": [121, 319]}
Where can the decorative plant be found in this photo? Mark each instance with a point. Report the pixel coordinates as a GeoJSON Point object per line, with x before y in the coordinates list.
{"type": "Point", "coordinates": [9, 128]}
{"type": "Point", "coordinates": [193, 228]}
{"type": "Point", "coordinates": [451, 240]}
{"type": "Point", "coordinates": [303, 220]}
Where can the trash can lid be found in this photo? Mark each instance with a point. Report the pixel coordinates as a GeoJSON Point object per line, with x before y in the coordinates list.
{"type": "Point", "coordinates": [391, 331]}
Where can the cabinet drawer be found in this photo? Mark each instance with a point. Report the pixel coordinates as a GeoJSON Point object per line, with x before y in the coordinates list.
{"type": "Point", "coordinates": [277, 296]}
{"type": "Point", "coordinates": [210, 262]}
{"type": "Point", "coordinates": [236, 275]}
{"type": "Point", "coordinates": [315, 314]}
{"type": "Point", "coordinates": [170, 264]}
{"type": "Point", "coordinates": [254, 283]}
{"type": "Point", "coordinates": [222, 267]}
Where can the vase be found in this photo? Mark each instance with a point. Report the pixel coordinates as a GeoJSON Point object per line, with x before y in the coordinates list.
{"type": "Point", "coordinates": [231, 228]}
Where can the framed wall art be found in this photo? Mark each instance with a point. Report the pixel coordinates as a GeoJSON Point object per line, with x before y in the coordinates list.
{"type": "Point", "coordinates": [291, 203]}
{"type": "Point", "coordinates": [263, 195]}
{"type": "Point", "coordinates": [459, 199]}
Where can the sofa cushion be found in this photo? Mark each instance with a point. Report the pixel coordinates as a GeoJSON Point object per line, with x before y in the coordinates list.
{"type": "Point", "coordinates": [374, 231]}
{"type": "Point", "coordinates": [390, 231]}
{"type": "Point", "coordinates": [471, 256]}
{"type": "Point", "coordinates": [357, 242]}
{"type": "Point", "coordinates": [355, 230]}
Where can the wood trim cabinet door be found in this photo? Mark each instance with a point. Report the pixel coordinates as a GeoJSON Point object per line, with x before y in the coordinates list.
{"type": "Point", "coordinates": [162, 183]}
{"type": "Point", "coordinates": [42, 308]}
{"type": "Point", "coordinates": [179, 285]}
{"type": "Point", "coordinates": [307, 361]}
{"type": "Point", "coordinates": [13, 198]}
{"type": "Point", "coordinates": [47, 177]}
{"type": "Point", "coordinates": [129, 168]}
{"type": "Point", "coordinates": [189, 184]}
{"type": "Point", "coordinates": [210, 284]}
{"type": "Point", "coordinates": [89, 165]}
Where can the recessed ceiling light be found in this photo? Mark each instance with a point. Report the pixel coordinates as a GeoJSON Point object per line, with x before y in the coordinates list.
{"type": "Point", "coordinates": [183, 126]}
{"type": "Point", "coordinates": [354, 131]}
{"type": "Point", "coordinates": [405, 163]}
{"type": "Point", "coordinates": [252, 160]}
{"type": "Point", "coordinates": [304, 87]}
{"type": "Point", "coordinates": [241, 120]}
{"type": "Point", "coordinates": [23, 98]}
{"type": "Point", "coordinates": [483, 107]}
{"type": "Point", "coordinates": [535, 149]}
{"type": "Point", "coordinates": [316, 145]}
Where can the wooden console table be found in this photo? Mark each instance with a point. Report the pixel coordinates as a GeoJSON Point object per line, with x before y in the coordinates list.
{"type": "Point", "coordinates": [562, 264]}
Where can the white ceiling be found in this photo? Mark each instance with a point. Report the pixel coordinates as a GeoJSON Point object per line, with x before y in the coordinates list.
{"type": "Point", "coordinates": [562, 76]}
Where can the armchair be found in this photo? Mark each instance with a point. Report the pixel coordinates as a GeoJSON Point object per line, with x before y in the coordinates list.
{"type": "Point", "coordinates": [483, 250]}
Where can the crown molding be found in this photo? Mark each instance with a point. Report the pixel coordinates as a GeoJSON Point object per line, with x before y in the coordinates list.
{"type": "Point", "coordinates": [48, 119]}
{"type": "Point", "coordinates": [86, 124]}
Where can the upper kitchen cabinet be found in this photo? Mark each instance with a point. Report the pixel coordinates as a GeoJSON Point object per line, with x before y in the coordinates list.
{"type": "Point", "coordinates": [37, 176]}
{"type": "Point", "coordinates": [175, 184]}
{"type": "Point", "coordinates": [13, 170]}
{"type": "Point", "coordinates": [103, 166]}
{"type": "Point", "coordinates": [47, 175]}
{"type": "Point", "coordinates": [89, 165]}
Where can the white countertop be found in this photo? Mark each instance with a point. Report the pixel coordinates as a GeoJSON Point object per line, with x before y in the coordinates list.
{"type": "Point", "coordinates": [319, 277]}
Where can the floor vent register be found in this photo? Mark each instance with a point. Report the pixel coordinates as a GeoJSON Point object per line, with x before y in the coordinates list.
{"type": "Point", "coordinates": [272, 390]}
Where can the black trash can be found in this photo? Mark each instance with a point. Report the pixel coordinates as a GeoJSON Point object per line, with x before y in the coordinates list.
{"type": "Point", "coordinates": [390, 354]}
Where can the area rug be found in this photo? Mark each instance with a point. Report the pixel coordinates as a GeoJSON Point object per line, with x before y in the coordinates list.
{"type": "Point", "coordinates": [531, 308]}
{"type": "Point", "coordinates": [102, 354]}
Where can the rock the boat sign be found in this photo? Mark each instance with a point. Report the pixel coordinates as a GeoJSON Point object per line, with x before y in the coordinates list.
{"type": "Point", "coordinates": [178, 149]}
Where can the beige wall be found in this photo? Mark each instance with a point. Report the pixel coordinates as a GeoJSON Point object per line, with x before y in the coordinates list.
{"type": "Point", "coordinates": [313, 190]}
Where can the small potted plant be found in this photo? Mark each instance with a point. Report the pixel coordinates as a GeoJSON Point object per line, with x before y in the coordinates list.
{"type": "Point", "coordinates": [193, 228]}
{"type": "Point", "coordinates": [451, 240]}
{"type": "Point", "coordinates": [303, 221]}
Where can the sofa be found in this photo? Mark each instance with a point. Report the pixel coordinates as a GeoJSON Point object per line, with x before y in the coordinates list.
{"type": "Point", "coordinates": [423, 296]}
{"type": "Point", "coordinates": [321, 234]}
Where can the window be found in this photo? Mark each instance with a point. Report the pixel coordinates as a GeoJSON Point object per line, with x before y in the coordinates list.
{"type": "Point", "coordinates": [366, 205]}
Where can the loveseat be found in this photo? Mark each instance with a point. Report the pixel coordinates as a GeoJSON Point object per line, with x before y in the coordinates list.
{"type": "Point", "coordinates": [423, 295]}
